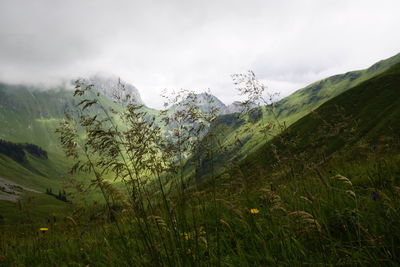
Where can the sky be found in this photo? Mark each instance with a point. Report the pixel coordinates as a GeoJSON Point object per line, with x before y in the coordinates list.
{"type": "Point", "coordinates": [173, 44]}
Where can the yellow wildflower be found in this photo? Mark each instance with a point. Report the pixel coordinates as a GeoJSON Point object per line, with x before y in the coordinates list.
{"type": "Point", "coordinates": [43, 229]}
{"type": "Point", "coordinates": [202, 231]}
{"type": "Point", "coordinates": [254, 211]}
{"type": "Point", "coordinates": [186, 236]}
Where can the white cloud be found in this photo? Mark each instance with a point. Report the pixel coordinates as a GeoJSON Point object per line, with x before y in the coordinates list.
{"type": "Point", "coordinates": [194, 44]}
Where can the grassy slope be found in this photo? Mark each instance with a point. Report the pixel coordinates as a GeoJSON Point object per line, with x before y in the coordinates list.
{"type": "Point", "coordinates": [28, 115]}
{"type": "Point", "coordinates": [34, 208]}
{"type": "Point", "coordinates": [300, 219]}
{"type": "Point", "coordinates": [368, 114]}
{"type": "Point", "coordinates": [294, 107]}
{"type": "Point", "coordinates": [303, 221]}
{"type": "Point", "coordinates": [31, 115]}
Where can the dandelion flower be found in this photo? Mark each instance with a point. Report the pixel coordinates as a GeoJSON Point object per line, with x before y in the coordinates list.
{"type": "Point", "coordinates": [43, 229]}
{"type": "Point", "coordinates": [254, 211]}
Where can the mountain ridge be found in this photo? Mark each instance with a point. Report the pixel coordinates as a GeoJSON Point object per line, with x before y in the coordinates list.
{"type": "Point", "coordinates": [362, 120]}
{"type": "Point", "coordinates": [242, 135]}
{"type": "Point", "coordinates": [29, 116]}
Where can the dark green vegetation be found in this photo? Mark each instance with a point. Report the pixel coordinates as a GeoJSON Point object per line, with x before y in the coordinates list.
{"type": "Point", "coordinates": [323, 191]}
{"type": "Point", "coordinates": [17, 151]}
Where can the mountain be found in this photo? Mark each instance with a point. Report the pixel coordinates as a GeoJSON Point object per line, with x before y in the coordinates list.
{"type": "Point", "coordinates": [304, 100]}
{"type": "Point", "coordinates": [291, 108]}
{"type": "Point", "coordinates": [207, 101]}
{"type": "Point", "coordinates": [363, 120]}
{"type": "Point", "coordinates": [323, 190]}
{"type": "Point", "coordinates": [30, 115]}
{"type": "Point", "coordinates": [242, 135]}
{"type": "Point", "coordinates": [108, 85]}
{"type": "Point", "coordinates": [234, 107]}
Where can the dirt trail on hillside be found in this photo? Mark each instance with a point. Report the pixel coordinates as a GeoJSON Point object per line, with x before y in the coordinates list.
{"type": "Point", "coordinates": [11, 191]}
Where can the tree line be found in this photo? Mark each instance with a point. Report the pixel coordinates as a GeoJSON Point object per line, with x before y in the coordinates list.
{"type": "Point", "coordinates": [17, 151]}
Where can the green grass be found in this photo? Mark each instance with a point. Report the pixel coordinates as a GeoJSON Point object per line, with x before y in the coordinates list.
{"type": "Point", "coordinates": [302, 220]}
{"type": "Point", "coordinates": [33, 208]}
{"type": "Point", "coordinates": [324, 192]}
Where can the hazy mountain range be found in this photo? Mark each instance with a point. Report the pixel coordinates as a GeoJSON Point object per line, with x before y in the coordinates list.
{"type": "Point", "coordinates": [31, 116]}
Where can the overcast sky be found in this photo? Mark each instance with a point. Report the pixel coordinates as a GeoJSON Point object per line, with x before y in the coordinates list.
{"type": "Point", "coordinates": [194, 44]}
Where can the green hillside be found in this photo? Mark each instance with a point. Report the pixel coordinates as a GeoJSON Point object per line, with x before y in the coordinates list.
{"type": "Point", "coordinates": [244, 134]}
{"type": "Point", "coordinates": [360, 120]}
{"type": "Point", "coordinates": [307, 99]}
{"type": "Point", "coordinates": [30, 115]}
{"type": "Point", "coordinates": [325, 191]}
{"type": "Point", "coordinates": [25, 172]}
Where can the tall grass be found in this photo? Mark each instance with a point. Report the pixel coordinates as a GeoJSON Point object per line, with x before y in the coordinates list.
{"type": "Point", "coordinates": [303, 211]}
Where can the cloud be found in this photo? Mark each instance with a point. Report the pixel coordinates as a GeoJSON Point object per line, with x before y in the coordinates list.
{"type": "Point", "coordinates": [193, 44]}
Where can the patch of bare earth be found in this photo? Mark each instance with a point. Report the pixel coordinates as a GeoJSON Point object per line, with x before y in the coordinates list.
{"type": "Point", "coordinates": [11, 191]}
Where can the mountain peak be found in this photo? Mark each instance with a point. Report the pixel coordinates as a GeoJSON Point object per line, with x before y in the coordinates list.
{"type": "Point", "coordinates": [205, 99]}
{"type": "Point", "coordinates": [107, 84]}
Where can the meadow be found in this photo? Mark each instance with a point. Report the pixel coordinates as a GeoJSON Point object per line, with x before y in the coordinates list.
{"type": "Point", "coordinates": [323, 191]}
